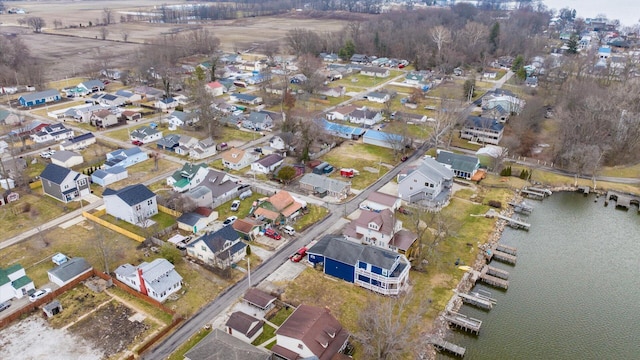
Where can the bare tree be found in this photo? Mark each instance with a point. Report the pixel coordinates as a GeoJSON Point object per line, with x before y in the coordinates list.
{"type": "Point", "coordinates": [309, 65]}
{"type": "Point", "coordinates": [270, 49]}
{"type": "Point", "coordinates": [107, 16]}
{"type": "Point", "coordinates": [57, 23]}
{"type": "Point", "coordinates": [440, 36]}
{"type": "Point", "coordinates": [104, 32]}
{"type": "Point", "coordinates": [125, 35]}
{"type": "Point", "coordinates": [35, 22]}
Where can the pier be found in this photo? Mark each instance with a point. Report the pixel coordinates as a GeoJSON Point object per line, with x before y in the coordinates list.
{"type": "Point", "coordinates": [532, 194]}
{"type": "Point", "coordinates": [521, 207]}
{"type": "Point", "coordinates": [463, 322]}
{"type": "Point", "coordinates": [492, 280]}
{"type": "Point", "coordinates": [584, 189]}
{"type": "Point", "coordinates": [514, 223]}
{"type": "Point", "coordinates": [478, 300]}
{"type": "Point", "coordinates": [499, 273]}
{"type": "Point", "coordinates": [623, 201]}
{"type": "Point", "coordinates": [443, 345]}
{"type": "Point", "coordinates": [545, 192]}
{"type": "Point", "coordinates": [507, 249]}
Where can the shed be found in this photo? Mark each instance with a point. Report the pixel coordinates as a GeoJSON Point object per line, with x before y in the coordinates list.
{"type": "Point", "coordinates": [69, 271]}
{"type": "Point", "coordinates": [59, 258]}
{"type": "Point", "coordinates": [53, 308]}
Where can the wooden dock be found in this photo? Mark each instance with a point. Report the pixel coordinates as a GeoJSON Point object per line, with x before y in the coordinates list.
{"type": "Point", "coordinates": [499, 273]}
{"type": "Point", "coordinates": [533, 194]}
{"type": "Point", "coordinates": [492, 280]}
{"type": "Point", "coordinates": [545, 192]}
{"type": "Point", "coordinates": [514, 223]}
{"type": "Point", "coordinates": [463, 322]}
{"type": "Point", "coordinates": [507, 249]}
{"type": "Point", "coordinates": [584, 189]}
{"type": "Point", "coordinates": [478, 300]}
{"type": "Point", "coordinates": [623, 201]}
{"type": "Point", "coordinates": [521, 207]}
{"type": "Point", "coordinates": [504, 257]}
{"type": "Point", "coordinates": [443, 345]}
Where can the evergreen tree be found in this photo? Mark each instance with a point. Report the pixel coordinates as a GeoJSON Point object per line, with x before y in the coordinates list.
{"type": "Point", "coordinates": [494, 37]}
{"type": "Point", "coordinates": [572, 44]}
{"type": "Point", "coordinates": [347, 51]}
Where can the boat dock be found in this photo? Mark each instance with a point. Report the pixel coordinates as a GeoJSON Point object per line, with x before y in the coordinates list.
{"type": "Point", "coordinates": [486, 278]}
{"type": "Point", "coordinates": [499, 273]}
{"type": "Point", "coordinates": [514, 223]}
{"type": "Point", "coordinates": [463, 322]}
{"type": "Point", "coordinates": [478, 300]}
{"type": "Point", "coordinates": [584, 189]}
{"type": "Point", "coordinates": [521, 207]}
{"type": "Point", "coordinates": [443, 345]}
{"type": "Point", "coordinates": [531, 194]}
{"type": "Point", "coordinates": [623, 201]}
{"type": "Point", "coordinates": [507, 249]}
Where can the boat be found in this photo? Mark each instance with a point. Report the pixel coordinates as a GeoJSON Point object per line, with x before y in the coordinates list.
{"type": "Point", "coordinates": [464, 267]}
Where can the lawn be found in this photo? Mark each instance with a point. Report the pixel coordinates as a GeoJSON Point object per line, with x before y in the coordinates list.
{"type": "Point", "coordinates": [75, 303]}
{"type": "Point", "coordinates": [268, 332]}
{"type": "Point", "coordinates": [153, 311]}
{"type": "Point", "coordinates": [61, 84]}
{"type": "Point", "coordinates": [161, 219]}
{"type": "Point", "coordinates": [228, 134]}
{"type": "Point", "coordinates": [47, 109]}
{"type": "Point", "coordinates": [316, 213]}
{"type": "Point", "coordinates": [120, 134]}
{"type": "Point", "coordinates": [282, 315]}
{"type": "Point", "coordinates": [189, 344]}
{"type": "Point", "coordinates": [358, 156]}
{"type": "Point", "coordinates": [224, 210]}
{"type": "Point", "coordinates": [416, 131]}
{"type": "Point", "coordinates": [361, 81]}
{"type": "Point", "coordinates": [144, 171]}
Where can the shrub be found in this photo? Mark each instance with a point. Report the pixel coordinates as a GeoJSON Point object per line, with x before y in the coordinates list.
{"type": "Point", "coordinates": [495, 204]}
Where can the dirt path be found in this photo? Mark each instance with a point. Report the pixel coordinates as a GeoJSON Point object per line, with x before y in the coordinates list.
{"type": "Point", "coordinates": [134, 307]}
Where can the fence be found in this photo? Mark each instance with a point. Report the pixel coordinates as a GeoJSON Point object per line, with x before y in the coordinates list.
{"type": "Point", "coordinates": [322, 152]}
{"type": "Point", "coordinates": [113, 227]}
{"type": "Point", "coordinates": [134, 293]}
{"type": "Point", "coordinates": [159, 335]}
{"type": "Point", "coordinates": [171, 212]}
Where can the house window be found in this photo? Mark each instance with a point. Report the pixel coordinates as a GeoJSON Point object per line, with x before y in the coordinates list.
{"type": "Point", "coordinates": [150, 202]}
{"type": "Point", "coordinates": [300, 346]}
{"type": "Point", "coordinates": [203, 248]}
{"type": "Point", "coordinates": [138, 207]}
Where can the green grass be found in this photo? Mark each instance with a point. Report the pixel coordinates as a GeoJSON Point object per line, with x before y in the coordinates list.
{"type": "Point", "coordinates": [358, 156]}
{"type": "Point", "coordinates": [282, 315]}
{"type": "Point", "coordinates": [189, 344]}
{"type": "Point", "coordinates": [316, 213]}
{"type": "Point", "coordinates": [229, 134]}
{"type": "Point", "coordinates": [224, 210]}
{"type": "Point", "coordinates": [164, 220]}
{"type": "Point", "coordinates": [164, 317]}
{"type": "Point", "coordinates": [268, 332]}
{"type": "Point", "coordinates": [120, 134]}
{"type": "Point", "coordinates": [270, 345]}
{"type": "Point", "coordinates": [416, 131]}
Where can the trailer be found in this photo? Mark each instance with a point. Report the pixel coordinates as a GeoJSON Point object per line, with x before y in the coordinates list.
{"type": "Point", "coordinates": [348, 173]}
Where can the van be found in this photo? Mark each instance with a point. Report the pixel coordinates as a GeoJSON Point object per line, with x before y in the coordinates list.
{"type": "Point", "coordinates": [289, 230]}
{"type": "Point", "coordinates": [245, 195]}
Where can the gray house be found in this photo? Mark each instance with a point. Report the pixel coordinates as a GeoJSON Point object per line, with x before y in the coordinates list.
{"type": "Point", "coordinates": [429, 184]}
{"type": "Point", "coordinates": [219, 345]}
{"type": "Point", "coordinates": [220, 249]}
{"type": "Point", "coordinates": [258, 121]}
{"type": "Point", "coordinates": [323, 186]}
{"type": "Point", "coordinates": [133, 204]}
{"type": "Point", "coordinates": [69, 271]}
{"type": "Point", "coordinates": [463, 166]}
{"type": "Point", "coordinates": [64, 184]}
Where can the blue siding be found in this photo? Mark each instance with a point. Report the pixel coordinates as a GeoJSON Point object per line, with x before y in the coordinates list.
{"type": "Point", "coordinates": [339, 270]}
{"type": "Point", "coordinates": [315, 259]}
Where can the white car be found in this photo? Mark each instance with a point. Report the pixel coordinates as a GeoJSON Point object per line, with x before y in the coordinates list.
{"type": "Point", "coordinates": [235, 205]}
{"type": "Point", "coordinates": [230, 220]}
{"type": "Point", "coordinates": [364, 207]}
{"type": "Point", "coordinates": [45, 155]}
{"type": "Point", "coordinates": [38, 294]}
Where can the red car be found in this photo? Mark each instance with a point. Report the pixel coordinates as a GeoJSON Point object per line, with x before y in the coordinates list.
{"type": "Point", "coordinates": [299, 255]}
{"type": "Point", "coordinates": [272, 234]}
{"type": "Point", "coordinates": [137, 142]}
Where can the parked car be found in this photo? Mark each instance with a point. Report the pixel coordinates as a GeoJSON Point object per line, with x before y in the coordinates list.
{"type": "Point", "coordinates": [299, 255]}
{"type": "Point", "coordinates": [365, 207]}
{"type": "Point", "coordinates": [235, 205]}
{"type": "Point", "coordinates": [230, 220]}
{"type": "Point", "coordinates": [245, 194]}
{"type": "Point", "coordinates": [39, 294]}
{"type": "Point", "coordinates": [5, 305]}
{"type": "Point", "coordinates": [45, 155]}
{"type": "Point", "coordinates": [289, 230]}
{"type": "Point", "coordinates": [404, 158]}
{"type": "Point", "coordinates": [272, 234]}
{"type": "Point", "coordinates": [404, 211]}
{"type": "Point", "coordinates": [137, 142]}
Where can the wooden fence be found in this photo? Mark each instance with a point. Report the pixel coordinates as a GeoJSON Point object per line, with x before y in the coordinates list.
{"type": "Point", "coordinates": [171, 212]}
{"type": "Point", "coordinates": [113, 227]}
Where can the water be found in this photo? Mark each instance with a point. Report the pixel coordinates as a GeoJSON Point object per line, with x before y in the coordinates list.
{"type": "Point", "coordinates": [575, 291]}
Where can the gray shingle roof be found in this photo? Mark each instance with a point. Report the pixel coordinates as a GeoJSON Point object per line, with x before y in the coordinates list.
{"type": "Point", "coordinates": [54, 173]}
{"type": "Point", "coordinates": [40, 95]}
{"type": "Point", "coordinates": [190, 218]}
{"type": "Point", "coordinates": [64, 155]}
{"type": "Point", "coordinates": [215, 240]}
{"type": "Point", "coordinates": [458, 161]}
{"type": "Point", "coordinates": [338, 248]}
{"type": "Point", "coordinates": [132, 194]}
{"type": "Point", "coordinates": [270, 159]}
{"type": "Point", "coordinates": [319, 181]}
{"type": "Point", "coordinates": [70, 269]}
{"type": "Point", "coordinates": [219, 345]}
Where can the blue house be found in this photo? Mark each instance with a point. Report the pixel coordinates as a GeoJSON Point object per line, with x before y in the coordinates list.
{"type": "Point", "coordinates": [125, 158]}
{"type": "Point", "coordinates": [108, 176]}
{"type": "Point", "coordinates": [39, 98]}
{"type": "Point", "coordinates": [169, 142]}
{"type": "Point", "coordinates": [383, 271]}
{"type": "Point", "coordinates": [383, 139]}
{"type": "Point", "coordinates": [343, 131]}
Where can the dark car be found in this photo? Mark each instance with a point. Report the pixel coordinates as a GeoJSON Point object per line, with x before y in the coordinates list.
{"type": "Point", "coordinates": [404, 211]}
{"type": "Point", "coordinates": [404, 158]}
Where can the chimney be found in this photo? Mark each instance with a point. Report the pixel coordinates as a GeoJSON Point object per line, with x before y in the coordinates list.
{"type": "Point", "coordinates": [143, 288]}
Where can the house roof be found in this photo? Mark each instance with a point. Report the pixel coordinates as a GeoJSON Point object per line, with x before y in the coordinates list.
{"type": "Point", "coordinates": [259, 298]}
{"type": "Point", "coordinates": [124, 93]}
{"type": "Point", "coordinates": [81, 137]}
{"type": "Point", "coordinates": [382, 199]}
{"type": "Point", "coordinates": [189, 218]}
{"type": "Point", "coordinates": [132, 194]}
{"type": "Point", "coordinates": [233, 155]}
{"type": "Point", "coordinates": [317, 329]}
{"type": "Point", "coordinates": [374, 69]}
{"type": "Point", "coordinates": [103, 173]}
{"type": "Point", "coordinates": [483, 123]}
{"type": "Point", "coordinates": [270, 160]}
{"type": "Point", "coordinates": [55, 173]}
{"type": "Point", "coordinates": [159, 274]}
{"type": "Point", "coordinates": [458, 161]}
{"type": "Point", "coordinates": [376, 94]}
{"type": "Point", "coordinates": [246, 97]}
{"type": "Point", "coordinates": [364, 114]}
{"type": "Point", "coordinates": [169, 141]}
{"type": "Point", "coordinates": [218, 182]}
{"type": "Point", "coordinates": [40, 95]}
{"type": "Point", "coordinates": [5, 272]}
{"type": "Point", "coordinates": [246, 225]}
{"type": "Point", "coordinates": [383, 219]}
{"type": "Point", "coordinates": [90, 84]}
{"type": "Point", "coordinates": [433, 170]}
{"type": "Point", "coordinates": [323, 182]}
{"type": "Point", "coordinates": [269, 214]}
{"type": "Point", "coordinates": [338, 248]}
{"type": "Point", "coordinates": [342, 129]}
{"type": "Point", "coordinates": [344, 110]}
{"type": "Point", "coordinates": [244, 323]}
{"type": "Point", "coordinates": [64, 155]}
{"type": "Point", "coordinates": [144, 131]}
{"type": "Point", "coordinates": [219, 345]}
{"type": "Point", "coordinates": [215, 241]}
{"type": "Point", "coordinates": [403, 239]}
{"type": "Point", "coordinates": [257, 117]}
{"type": "Point", "coordinates": [380, 257]}
{"type": "Point", "coordinates": [188, 171]}
{"type": "Point", "coordinates": [70, 269]}
{"type": "Point", "coordinates": [214, 85]}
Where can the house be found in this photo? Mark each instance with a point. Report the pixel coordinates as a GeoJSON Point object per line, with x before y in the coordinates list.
{"type": "Point", "coordinates": [359, 59]}
{"type": "Point", "coordinates": [337, 91]}
{"type": "Point", "coordinates": [29, 129]}
{"type": "Point", "coordinates": [413, 79]}
{"type": "Point", "coordinates": [187, 178]}
{"type": "Point", "coordinates": [67, 158]}
{"type": "Point", "coordinates": [379, 97]}
{"type": "Point", "coordinates": [197, 220]}
{"type": "Point", "coordinates": [329, 57]}
{"type": "Point", "coordinates": [378, 228]}
{"type": "Point", "coordinates": [14, 283]}
{"type": "Point", "coordinates": [216, 188]}
{"type": "Point", "coordinates": [104, 118]}
{"type": "Point", "coordinates": [109, 176]}
{"type": "Point", "coordinates": [133, 204]}
{"type": "Point", "coordinates": [8, 197]}
{"type": "Point", "coordinates": [82, 113]}
{"type": "Point", "coordinates": [157, 279]}
{"type": "Point", "coordinates": [3, 146]}
{"type": "Point", "coordinates": [280, 208]}
{"type": "Point", "coordinates": [68, 271]}
{"type": "Point", "coordinates": [145, 134]}
{"type": "Point", "coordinates": [237, 159]}
{"type": "Point", "coordinates": [64, 184]}
{"type": "Point", "coordinates": [341, 113]}
{"type": "Point", "coordinates": [384, 139]}
{"type": "Point", "coordinates": [185, 143]}
{"type": "Point", "coordinates": [130, 115]}
{"type": "Point", "coordinates": [203, 149]}
{"type": "Point", "coordinates": [365, 117]}
{"type": "Point", "coordinates": [428, 184]}
{"type": "Point", "coordinates": [215, 88]}
{"type": "Point", "coordinates": [109, 100]}
{"type": "Point", "coordinates": [463, 166]}
{"type": "Point", "coordinates": [219, 345]}
{"type": "Point", "coordinates": [245, 99]}
{"type": "Point", "coordinates": [92, 85]}
{"type": "Point", "coordinates": [378, 201]}
{"type": "Point", "coordinates": [267, 164]}
{"type": "Point", "coordinates": [169, 142]}
{"type": "Point", "coordinates": [78, 142]}
{"type": "Point", "coordinates": [375, 71]}
{"type": "Point", "coordinates": [125, 157]}
{"type": "Point", "coordinates": [244, 326]}
{"type": "Point", "coordinates": [504, 98]}
{"type": "Point", "coordinates": [166, 104]}
{"type": "Point", "coordinates": [129, 96]}
{"type": "Point", "coordinates": [383, 271]}
{"type": "Point", "coordinates": [39, 98]}
{"type": "Point", "coordinates": [220, 249]}
{"type": "Point", "coordinates": [409, 117]}
{"type": "Point", "coordinates": [53, 132]}
{"type": "Point", "coordinates": [248, 228]}
{"type": "Point", "coordinates": [258, 121]}
{"type": "Point", "coordinates": [482, 130]}
{"type": "Point", "coordinates": [323, 186]}
{"type": "Point", "coordinates": [181, 118]}
{"type": "Point", "coordinates": [277, 143]}
{"type": "Point", "coordinates": [531, 81]}
{"type": "Point", "coordinates": [8, 118]}
{"type": "Point", "coordinates": [7, 184]}
{"type": "Point", "coordinates": [310, 332]}
{"type": "Point", "coordinates": [343, 131]}
{"type": "Point", "coordinates": [260, 299]}
{"type": "Point", "coordinates": [604, 52]}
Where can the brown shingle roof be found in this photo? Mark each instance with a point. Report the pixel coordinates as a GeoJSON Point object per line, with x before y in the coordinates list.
{"type": "Point", "coordinates": [384, 219]}
{"type": "Point", "coordinates": [244, 323]}
{"type": "Point", "coordinates": [271, 215]}
{"type": "Point", "coordinates": [233, 156]}
{"type": "Point", "coordinates": [258, 298]}
{"type": "Point", "coordinates": [245, 225]}
{"type": "Point", "coordinates": [382, 199]}
{"type": "Point", "coordinates": [283, 202]}
{"type": "Point", "coordinates": [403, 239]}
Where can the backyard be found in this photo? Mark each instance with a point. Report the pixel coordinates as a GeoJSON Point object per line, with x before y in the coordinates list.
{"type": "Point", "coordinates": [371, 161]}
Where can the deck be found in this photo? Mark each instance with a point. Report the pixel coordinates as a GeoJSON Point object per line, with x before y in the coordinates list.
{"type": "Point", "coordinates": [443, 345]}
{"type": "Point", "coordinates": [463, 322]}
{"type": "Point", "coordinates": [492, 280]}
{"type": "Point", "coordinates": [507, 249]}
{"type": "Point", "coordinates": [623, 201]}
{"type": "Point", "coordinates": [513, 222]}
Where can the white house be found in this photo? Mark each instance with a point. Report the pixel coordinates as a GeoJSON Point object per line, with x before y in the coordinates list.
{"type": "Point", "coordinates": [166, 104]}
{"type": "Point", "coordinates": [78, 142]}
{"type": "Point", "coordinates": [106, 177]}
{"type": "Point", "coordinates": [66, 158]}
{"type": "Point", "coordinates": [157, 279]}
{"type": "Point", "coordinates": [69, 271]}
{"type": "Point", "coordinates": [14, 283]}
{"type": "Point", "coordinates": [203, 149]}
{"type": "Point", "coordinates": [378, 201]}
{"type": "Point", "coordinates": [189, 177]}
{"type": "Point", "coordinates": [145, 134]}
{"type": "Point", "coordinates": [197, 220]}
{"type": "Point", "coordinates": [237, 159]}
{"type": "Point", "coordinates": [277, 143]}
{"type": "Point", "coordinates": [378, 97]}
{"type": "Point", "coordinates": [373, 228]}
{"type": "Point", "coordinates": [133, 204]}
{"type": "Point", "coordinates": [91, 85]}
{"type": "Point", "coordinates": [341, 113]}
{"type": "Point", "coordinates": [244, 326]}
{"type": "Point", "coordinates": [53, 132]}
{"type": "Point", "coordinates": [365, 117]}
{"type": "Point", "coordinates": [375, 71]}
{"type": "Point", "coordinates": [215, 88]}
{"type": "Point", "coordinates": [267, 164]}
{"type": "Point", "coordinates": [181, 118]}
{"type": "Point", "coordinates": [429, 184]}
{"type": "Point", "coordinates": [220, 249]}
